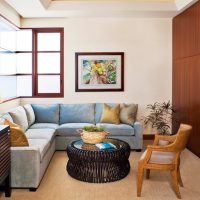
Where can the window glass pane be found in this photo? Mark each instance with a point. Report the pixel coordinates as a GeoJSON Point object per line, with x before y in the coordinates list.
{"type": "Point", "coordinates": [7, 63]}
{"type": "Point", "coordinates": [24, 63]}
{"type": "Point", "coordinates": [48, 63]}
{"type": "Point", "coordinates": [8, 40]}
{"type": "Point", "coordinates": [24, 40]}
{"type": "Point", "coordinates": [24, 89]}
{"type": "Point", "coordinates": [8, 87]}
{"type": "Point", "coordinates": [48, 41]}
{"type": "Point", "coordinates": [48, 84]}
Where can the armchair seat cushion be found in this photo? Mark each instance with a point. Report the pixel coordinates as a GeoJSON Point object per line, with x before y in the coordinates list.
{"type": "Point", "coordinates": [118, 129]}
{"type": "Point", "coordinates": [42, 145]}
{"type": "Point", "coordinates": [47, 134]}
{"type": "Point", "coordinates": [70, 129]}
{"type": "Point", "coordinates": [158, 157]}
{"type": "Point", "coordinates": [44, 126]}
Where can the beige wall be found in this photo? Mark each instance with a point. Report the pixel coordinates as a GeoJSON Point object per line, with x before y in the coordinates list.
{"type": "Point", "coordinates": [147, 44]}
{"type": "Point", "coordinates": [9, 13]}
{"type": "Point", "coordinates": [4, 107]}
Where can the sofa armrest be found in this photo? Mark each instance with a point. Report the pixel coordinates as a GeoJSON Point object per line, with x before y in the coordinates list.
{"type": "Point", "coordinates": [25, 167]}
{"type": "Point", "coordinates": [138, 134]}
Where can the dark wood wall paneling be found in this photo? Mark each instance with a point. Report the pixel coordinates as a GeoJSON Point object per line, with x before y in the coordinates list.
{"type": "Point", "coordinates": [186, 72]}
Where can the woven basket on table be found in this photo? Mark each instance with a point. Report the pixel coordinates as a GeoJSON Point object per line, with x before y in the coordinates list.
{"type": "Point", "coordinates": [92, 137]}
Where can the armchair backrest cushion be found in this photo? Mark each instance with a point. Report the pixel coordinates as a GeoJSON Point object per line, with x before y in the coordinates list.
{"type": "Point", "coordinates": [182, 137]}
{"type": "Point", "coordinates": [19, 117]}
{"type": "Point", "coordinates": [45, 113]}
{"type": "Point", "coordinates": [77, 113]}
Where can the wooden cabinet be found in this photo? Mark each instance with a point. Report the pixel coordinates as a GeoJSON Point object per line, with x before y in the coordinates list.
{"type": "Point", "coordinates": [5, 162]}
{"type": "Point", "coordinates": [186, 73]}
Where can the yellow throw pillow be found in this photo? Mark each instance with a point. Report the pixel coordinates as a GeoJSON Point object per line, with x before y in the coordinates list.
{"type": "Point", "coordinates": [11, 124]}
{"type": "Point", "coordinates": [17, 136]}
{"type": "Point", "coordinates": [110, 114]}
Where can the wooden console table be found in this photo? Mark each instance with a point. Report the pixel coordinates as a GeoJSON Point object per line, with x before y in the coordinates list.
{"type": "Point", "coordinates": [5, 162]}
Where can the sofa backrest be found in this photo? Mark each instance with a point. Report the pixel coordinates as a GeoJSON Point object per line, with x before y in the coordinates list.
{"type": "Point", "coordinates": [5, 116]}
{"type": "Point", "coordinates": [30, 114]}
{"type": "Point", "coordinates": [99, 110]}
{"type": "Point", "coordinates": [45, 113]}
{"type": "Point", "coordinates": [19, 117]}
{"type": "Point", "coordinates": [77, 113]}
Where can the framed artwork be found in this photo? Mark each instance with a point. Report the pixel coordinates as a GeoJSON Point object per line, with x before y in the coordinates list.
{"type": "Point", "coordinates": [102, 71]}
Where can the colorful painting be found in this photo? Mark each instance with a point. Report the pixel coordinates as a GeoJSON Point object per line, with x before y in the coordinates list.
{"type": "Point", "coordinates": [99, 71]}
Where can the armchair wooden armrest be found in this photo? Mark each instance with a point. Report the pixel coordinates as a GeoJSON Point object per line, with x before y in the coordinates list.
{"type": "Point", "coordinates": [169, 138]}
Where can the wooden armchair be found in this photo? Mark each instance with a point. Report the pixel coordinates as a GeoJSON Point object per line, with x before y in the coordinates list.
{"type": "Point", "coordinates": [165, 157]}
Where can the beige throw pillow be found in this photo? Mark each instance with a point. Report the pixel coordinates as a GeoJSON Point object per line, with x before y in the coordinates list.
{"type": "Point", "coordinates": [128, 113]}
{"type": "Point", "coordinates": [110, 114]}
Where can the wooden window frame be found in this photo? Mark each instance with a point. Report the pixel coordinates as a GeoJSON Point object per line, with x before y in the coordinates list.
{"type": "Point", "coordinates": [35, 93]}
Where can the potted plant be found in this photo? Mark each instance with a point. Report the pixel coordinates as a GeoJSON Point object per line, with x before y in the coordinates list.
{"type": "Point", "coordinates": [93, 134]}
{"type": "Point", "coordinates": [160, 117]}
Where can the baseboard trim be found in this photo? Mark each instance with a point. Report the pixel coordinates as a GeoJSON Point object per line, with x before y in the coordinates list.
{"type": "Point", "coordinates": [148, 137]}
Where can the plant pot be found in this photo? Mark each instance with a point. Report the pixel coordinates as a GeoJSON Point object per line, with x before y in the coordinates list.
{"type": "Point", "coordinates": [92, 137]}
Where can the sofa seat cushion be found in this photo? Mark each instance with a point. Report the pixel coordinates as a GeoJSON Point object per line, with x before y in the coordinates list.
{"type": "Point", "coordinates": [77, 113]}
{"type": "Point", "coordinates": [44, 126]}
{"type": "Point", "coordinates": [118, 129]}
{"type": "Point", "coordinates": [70, 129]}
{"type": "Point", "coordinates": [42, 145]}
{"type": "Point", "coordinates": [47, 134]}
{"type": "Point", "coordinates": [160, 157]}
{"type": "Point", "coordinates": [19, 117]}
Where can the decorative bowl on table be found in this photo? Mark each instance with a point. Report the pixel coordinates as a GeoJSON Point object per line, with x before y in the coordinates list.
{"type": "Point", "coordinates": [93, 134]}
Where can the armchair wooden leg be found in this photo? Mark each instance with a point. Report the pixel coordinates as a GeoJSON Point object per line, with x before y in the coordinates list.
{"type": "Point", "coordinates": [174, 175]}
{"type": "Point", "coordinates": [139, 179]}
{"type": "Point", "coordinates": [179, 178]}
{"type": "Point", "coordinates": [147, 173]}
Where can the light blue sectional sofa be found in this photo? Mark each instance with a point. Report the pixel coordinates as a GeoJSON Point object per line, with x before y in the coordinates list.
{"type": "Point", "coordinates": [52, 127]}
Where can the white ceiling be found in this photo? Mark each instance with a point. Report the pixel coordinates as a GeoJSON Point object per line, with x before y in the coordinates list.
{"type": "Point", "coordinates": [99, 8]}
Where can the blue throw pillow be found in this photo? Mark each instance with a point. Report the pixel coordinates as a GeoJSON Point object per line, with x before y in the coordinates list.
{"type": "Point", "coordinates": [46, 113]}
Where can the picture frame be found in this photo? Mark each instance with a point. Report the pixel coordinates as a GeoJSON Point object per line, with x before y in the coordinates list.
{"type": "Point", "coordinates": [99, 71]}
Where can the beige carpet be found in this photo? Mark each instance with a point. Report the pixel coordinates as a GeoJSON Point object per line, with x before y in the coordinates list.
{"type": "Point", "coordinates": [58, 185]}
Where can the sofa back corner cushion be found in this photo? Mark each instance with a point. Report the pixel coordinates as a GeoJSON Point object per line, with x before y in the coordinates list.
{"type": "Point", "coordinates": [45, 113]}
{"type": "Point", "coordinates": [30, 114]}
{"type": "Point", "coordinates": [19, 117]}
{"type": "Point", "coordinates": [77, 113]}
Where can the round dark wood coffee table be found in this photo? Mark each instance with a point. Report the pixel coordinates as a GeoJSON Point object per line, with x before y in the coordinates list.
{"type": "Point", "coordinates": [90, 164]}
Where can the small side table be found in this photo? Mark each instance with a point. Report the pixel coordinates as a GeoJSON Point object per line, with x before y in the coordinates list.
{"type": "Point", "coordinates": [5, 160]}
